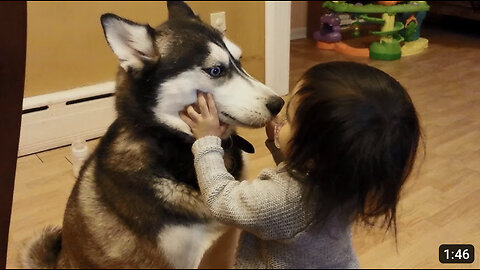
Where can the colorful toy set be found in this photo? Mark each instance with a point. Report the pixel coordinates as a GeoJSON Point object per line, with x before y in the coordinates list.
{"type": "Point", "coordinates": [398, 36]}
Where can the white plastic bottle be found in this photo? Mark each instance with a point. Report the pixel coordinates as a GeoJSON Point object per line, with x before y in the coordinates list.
{"type": "Point", "coordinates": [79, 155]}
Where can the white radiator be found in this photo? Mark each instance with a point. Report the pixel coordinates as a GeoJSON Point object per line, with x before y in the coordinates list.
{"type": "Point", "coordinates": [55, 120]}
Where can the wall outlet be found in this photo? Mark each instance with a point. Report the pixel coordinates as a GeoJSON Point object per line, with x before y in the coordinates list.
{"type": "Point", "coordinates": [218, 21]}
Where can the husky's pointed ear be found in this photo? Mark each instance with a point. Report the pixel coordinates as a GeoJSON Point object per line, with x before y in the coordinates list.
{"type": "Point", "coordinates": [179, 10]}
{"type": "Point", "coordinates": [134, 44]}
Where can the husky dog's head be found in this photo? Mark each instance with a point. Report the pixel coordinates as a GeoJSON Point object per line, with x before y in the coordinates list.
{"type": "Point", "coordinates": [163, 68]}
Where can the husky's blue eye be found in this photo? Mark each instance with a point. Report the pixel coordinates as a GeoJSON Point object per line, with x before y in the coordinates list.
{"type": "Point", "coordinates": [216, 71]}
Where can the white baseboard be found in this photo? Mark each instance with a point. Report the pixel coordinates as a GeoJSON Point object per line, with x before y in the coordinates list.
{"type": "Point", "coordinates": [49, 122]}
{"type": "Point", "coordinates": [298, 33]}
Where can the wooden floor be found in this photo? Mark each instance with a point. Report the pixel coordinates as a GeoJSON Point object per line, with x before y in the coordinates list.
{"type": "Point", "coordinates": [440, 203]}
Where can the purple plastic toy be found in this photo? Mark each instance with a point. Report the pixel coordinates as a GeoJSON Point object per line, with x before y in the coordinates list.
{"type": "Point", "coordinates": [329, 29]}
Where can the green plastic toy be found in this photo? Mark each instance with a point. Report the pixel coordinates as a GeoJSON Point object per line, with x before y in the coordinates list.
{"type": "Point", "coordinates": [396, 38]}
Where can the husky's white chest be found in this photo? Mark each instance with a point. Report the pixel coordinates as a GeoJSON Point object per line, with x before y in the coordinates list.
{"type": "Point", "coordinates": [184, 245]}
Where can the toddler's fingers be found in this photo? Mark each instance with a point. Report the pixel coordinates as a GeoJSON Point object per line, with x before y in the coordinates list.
{"type": "Point", "coordinates": [193, 114]}
{"type": "Point", "coordinates": [186, 119]}
{"type": "Point", "coordinates": [202, 104]}
{"type": "Point", "coordinates": [211, 105]}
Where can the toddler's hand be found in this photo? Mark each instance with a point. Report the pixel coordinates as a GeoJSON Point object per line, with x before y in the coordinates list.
{"type": "Point", "coordinates": [205, 123]}
{"type": "Point", "coordinates": [270, 129]}
{"type": "Point", "coordinates": [273, 127]}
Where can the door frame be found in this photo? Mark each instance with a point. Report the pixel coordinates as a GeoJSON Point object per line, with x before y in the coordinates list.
{"type": "Point", "coordinates": [13, 26]}
{"type": "Point", "coordinates": [277, 45]}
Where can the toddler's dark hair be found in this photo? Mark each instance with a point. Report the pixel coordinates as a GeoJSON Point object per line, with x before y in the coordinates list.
{"type": "Point", "coordinates": [356, 134]}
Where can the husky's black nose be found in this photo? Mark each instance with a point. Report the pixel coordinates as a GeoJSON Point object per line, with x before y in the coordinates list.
{"type": "Point", "coordinates": [275, 104]}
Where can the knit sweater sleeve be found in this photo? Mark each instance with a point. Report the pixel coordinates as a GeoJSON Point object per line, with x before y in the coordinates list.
{"type": "Point", "coordinates": [270, 206]}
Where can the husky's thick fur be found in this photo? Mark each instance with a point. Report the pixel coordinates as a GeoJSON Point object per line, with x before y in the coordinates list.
{"type": "Point", "coordinates": [136, 203]}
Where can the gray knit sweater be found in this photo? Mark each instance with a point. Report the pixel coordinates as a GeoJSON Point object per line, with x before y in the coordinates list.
{"type": "Point", "coordinates": [275, 214]}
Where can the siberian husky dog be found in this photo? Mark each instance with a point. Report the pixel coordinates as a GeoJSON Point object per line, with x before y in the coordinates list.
{"type": "Point", "coordinates": [136, 202]}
